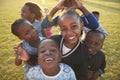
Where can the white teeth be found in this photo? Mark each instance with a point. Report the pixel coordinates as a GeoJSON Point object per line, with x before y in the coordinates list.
{"type": "Point", "coordinates": [49, 59]}
{"type": "Point", "coordinates": [72, 37]}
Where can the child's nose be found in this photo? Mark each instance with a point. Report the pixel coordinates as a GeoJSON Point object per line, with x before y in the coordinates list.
{"type": "Point", "coordinates": [69, 31]}
{"type": "Point", "coordinates": [48, 52]}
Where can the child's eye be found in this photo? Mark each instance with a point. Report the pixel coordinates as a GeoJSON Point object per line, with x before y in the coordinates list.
{"type": "Point", "coordinates": [43, 51]}
{"type": "Point", "coordinates": [27, 32]}
{"type": "Point", "coordinates": [74, 26]}
{"type": "Point", "coordinates": [63, 30]}
{"type": "Point", "coordinates": [53, 50]}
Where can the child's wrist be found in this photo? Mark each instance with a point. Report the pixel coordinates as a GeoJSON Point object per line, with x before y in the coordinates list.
{"type": "Point", "coordinates": [81, 7]}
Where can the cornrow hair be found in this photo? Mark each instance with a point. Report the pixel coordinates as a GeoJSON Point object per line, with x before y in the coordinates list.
{"type": "Point", "coordinates": [35, 9]}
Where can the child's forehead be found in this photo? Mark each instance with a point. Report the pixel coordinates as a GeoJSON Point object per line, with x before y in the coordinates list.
{"type": "Point", "coordinates": [26, 23]}
{"type": "Point", "coordinates": [68, 18]}
{"type": "Point", "coordinates": [48, 42]}
{"type": "Point", "coordinates": [95, 36]}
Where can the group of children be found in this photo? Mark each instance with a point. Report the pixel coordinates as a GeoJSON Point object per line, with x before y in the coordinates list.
{"type": "Point", "coordinates": [63, 56]}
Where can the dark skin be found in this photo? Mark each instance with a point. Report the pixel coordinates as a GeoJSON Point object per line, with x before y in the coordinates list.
{"type": "Point", "coordinates": [49, 57]}
{"type": "Point", "coordinates": [94, 42]}
{"type": "Point", "coordinates": [28, 33]}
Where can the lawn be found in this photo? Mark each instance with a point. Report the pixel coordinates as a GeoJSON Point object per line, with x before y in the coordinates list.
{"type": "Point", "coordinates": [109, 19]}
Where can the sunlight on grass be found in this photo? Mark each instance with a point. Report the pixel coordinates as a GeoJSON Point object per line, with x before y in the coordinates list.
{"type": "Point", "coordinates": [109, 19]}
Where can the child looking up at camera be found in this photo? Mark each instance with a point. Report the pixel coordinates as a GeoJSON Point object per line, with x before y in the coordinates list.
{"type": "Point", "coordinates": [50, 68]}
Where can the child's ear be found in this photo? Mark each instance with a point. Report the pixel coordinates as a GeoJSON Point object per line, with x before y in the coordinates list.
{"type": "Point", "coordinates": [32, 16]}
{"type": "Point", "coordinates": [20, 38]}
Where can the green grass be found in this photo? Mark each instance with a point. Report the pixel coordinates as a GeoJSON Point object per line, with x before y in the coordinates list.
{"type": "Point", "coordinates": [109, 19]}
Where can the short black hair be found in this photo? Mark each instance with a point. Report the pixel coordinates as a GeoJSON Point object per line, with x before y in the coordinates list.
{"type": "Point", "coordinates": [97, 32]}
{"type": "Point", "coordinates": [96, 12]}
{"type": "Point", "coordinates": [16, 25]}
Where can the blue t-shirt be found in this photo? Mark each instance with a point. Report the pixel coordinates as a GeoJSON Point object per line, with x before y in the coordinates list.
{"type": "Point", "coordinates": [37, 25]}
{"type": "Point", "coordinates": [28, 48]}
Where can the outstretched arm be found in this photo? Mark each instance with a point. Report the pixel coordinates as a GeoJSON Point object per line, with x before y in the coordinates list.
{"type": "Point", "coordinates": [88, 19]}
{"type": "Point", "coordinates": [21, 55]}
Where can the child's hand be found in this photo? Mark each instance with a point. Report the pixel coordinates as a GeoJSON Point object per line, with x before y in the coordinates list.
{"type": "Point", "coordinates": [60, 4]}
{"type": "Point", "coordinates": [76, 4]}
{"type": "Point", "coordinates": [89, 74]}
{"type": "Point", "coordinates": [20, 53]}
{"type": "Point", "coordinates": [96, 75]}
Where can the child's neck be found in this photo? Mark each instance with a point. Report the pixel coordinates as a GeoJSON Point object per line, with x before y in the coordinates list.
{"type": "Point", "coordinates": [52, 71]}
{"type": "Point", "coordinates": [70, 46]}
{"type": "Point", "coordinates": [34, 43]}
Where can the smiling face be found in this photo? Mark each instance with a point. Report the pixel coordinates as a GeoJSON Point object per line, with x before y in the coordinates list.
{"type": "Point", "coordinates": [27, 32]}
{"type": "Point", "coordinates": [94, 42]}
{"type": "Point", "coordinates": [70, 27]}
{"type": "Point", "coordinates": [25, 12]}
{"type": "Point", "coordinates": [48, 54]}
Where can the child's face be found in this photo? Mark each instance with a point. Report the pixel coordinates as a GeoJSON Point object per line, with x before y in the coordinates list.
{"type": "Point", "coordinates": [70, 27]}
{"type": "Point", "coordinates": [25, 12]}
{"type": "Point", "coordinates": [48, 54]}
{"type": "Point", "coordinates": [28, 33]}
{"type": "Point", "coordinates": [94, 43]}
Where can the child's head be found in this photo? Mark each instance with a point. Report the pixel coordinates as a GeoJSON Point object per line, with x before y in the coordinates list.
{"type": "Point", "coordinates": [31, 12]}
{"type": "Point", "coordinates": [94, 41]}
{"type": "Point", "coordinates": [48, 54]}
{"type": "Point", "coordinates": [71, 27]}
{"type": "Point", "coordinates": [96, 14]}
{"type": "Point", "coordinates": [24, 30]}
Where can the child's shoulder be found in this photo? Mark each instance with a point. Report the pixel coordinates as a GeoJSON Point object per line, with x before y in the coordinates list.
{"type": "Point", "coordinates": [101, 53]}
{"type": "Point", "coordinates": [35, 68]}
{"type": "Point", "coordinates": [66, 68]}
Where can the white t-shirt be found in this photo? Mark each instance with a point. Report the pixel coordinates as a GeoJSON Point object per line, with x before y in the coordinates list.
{"type": "Point", "coordinates": [66, 73]}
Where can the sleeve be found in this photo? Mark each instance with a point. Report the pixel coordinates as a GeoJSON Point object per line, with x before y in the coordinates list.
{"type": "Point", "coordinates": [100, 28]}
{"type": "Point", "coordinates": [103, 65]}
{"type": "Point", "coordinates": [30, 74]}
{"type": "Point", "coordinates": [72, 75]}
{"type": "Point", "coordinates": [48, 22]}
{"type": "Point", "coordinates": [90, 21]}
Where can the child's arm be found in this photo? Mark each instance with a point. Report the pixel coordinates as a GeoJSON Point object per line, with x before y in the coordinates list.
{"type": "Point", "coordinates": [90, 22]}
{"type": "Point", "coordinates": [89, 19]}
{"type": "Point", "coordinates": [48, 22]}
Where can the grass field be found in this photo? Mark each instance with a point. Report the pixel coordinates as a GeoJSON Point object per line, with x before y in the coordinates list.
{"type": "Point", "coordinates": [109, 19]}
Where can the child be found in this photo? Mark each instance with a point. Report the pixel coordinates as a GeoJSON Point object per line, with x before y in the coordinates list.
{"type": "Point", "coordinates": [94, 42]}
{"type": "Point", "coordinates": [50, 68]}
{"type": "Point", "coordinates": [88, 19]}
{"type": "Point", "coordinates": [74, 53]}
{"type": "Point", "coordinates": [96, 14]}
{"type": "Point", "coordinates": [27, 50]}
{"type": "Point", "coordinates": [33, 13]}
